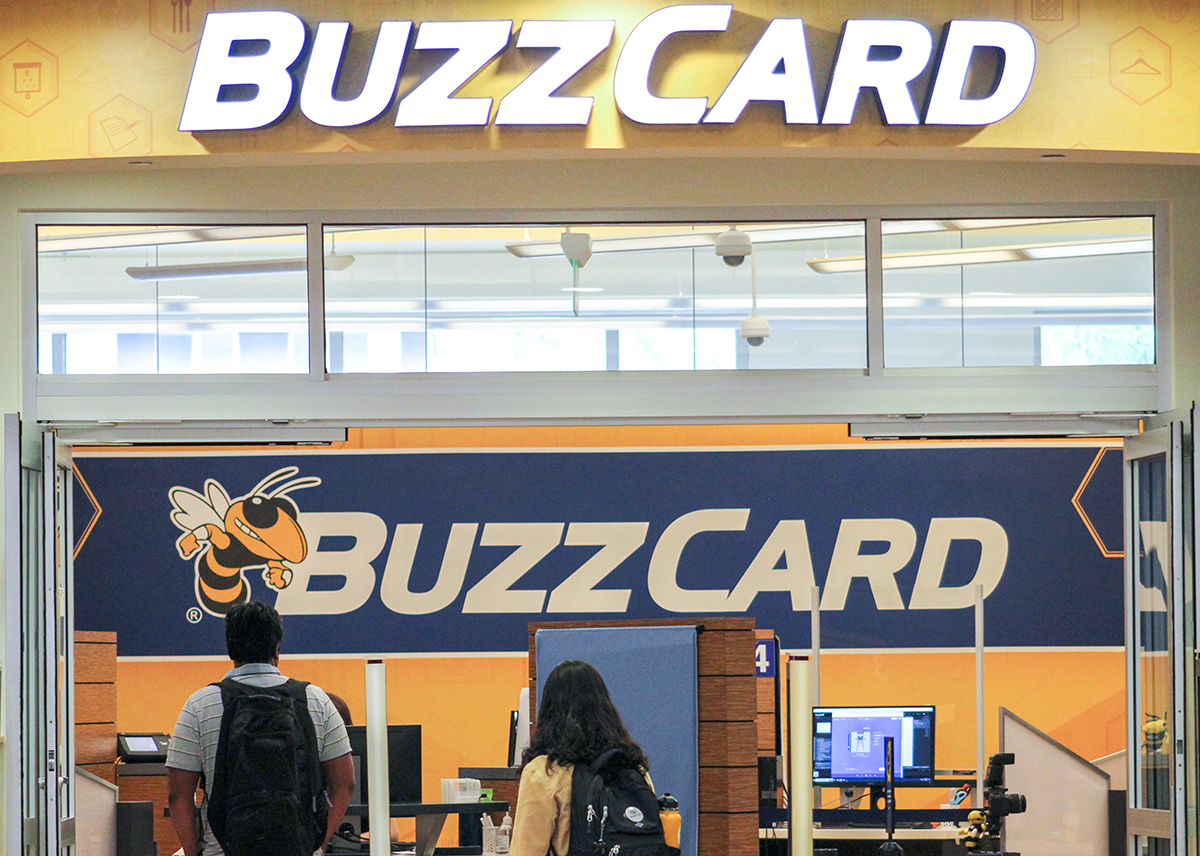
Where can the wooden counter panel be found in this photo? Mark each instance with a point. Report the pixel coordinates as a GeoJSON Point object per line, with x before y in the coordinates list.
{"type": "Point", "coordinates": [726, 652]}
{"type": "Point", "coordinates": [765, 729]}
{"type": "Point", "coordinates": [728, 744]}
{"type": "Point", "coordinates": [764, 692]}
{"type": "Point", "coordinates": [728, 834]}
{"type": "Point", "coordinates": [728, 789]}
{"type": "Point", "coordinates": [108, 637]}
{"type": "Point", "coordinates": [725, 698]}
{"type": "Point", "coordinates": [106, 771]}
{"type": "Point", "coordinates": [152, 789]}
{"type": "Point", "coordinates": [95, 744]}
{"type": "Point", "coordinates": [95, 662]}
{"type": "Point", "coordinates": [96, 703]}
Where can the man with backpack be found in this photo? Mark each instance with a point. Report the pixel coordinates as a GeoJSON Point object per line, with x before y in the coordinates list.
{"type": "Point", "coordinates": [270, 753]}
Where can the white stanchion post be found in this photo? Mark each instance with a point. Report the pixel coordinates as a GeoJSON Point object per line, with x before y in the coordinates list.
{"type": "Point", "coordinates": [979, 709]}
{"type": "Point", "coordinates": [378, 803]}
{"type": "Point", "coordinates": [800, 786]}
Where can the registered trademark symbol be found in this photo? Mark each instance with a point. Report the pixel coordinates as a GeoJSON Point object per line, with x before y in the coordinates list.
{"type": "Point", "coordinates": [194, 615]}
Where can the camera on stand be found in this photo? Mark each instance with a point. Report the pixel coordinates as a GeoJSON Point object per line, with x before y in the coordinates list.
{"type": "Point", "coordinates": [986, 824]}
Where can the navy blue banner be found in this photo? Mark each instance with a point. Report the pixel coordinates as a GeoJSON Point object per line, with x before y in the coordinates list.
{"type": "Point", "coordinates": [457, 552]}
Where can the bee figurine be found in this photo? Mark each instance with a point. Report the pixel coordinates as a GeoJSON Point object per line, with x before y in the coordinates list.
{"type": "Point", "coordinates": [228, 536]}
{"type": "Point", "coordinates": [1154, 732]}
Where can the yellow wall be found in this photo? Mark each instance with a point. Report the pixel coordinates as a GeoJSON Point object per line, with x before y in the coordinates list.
{"type": "Point", "coordinates": [109, 81]}
{"type": "Point", "coordinates": [1076, 697]}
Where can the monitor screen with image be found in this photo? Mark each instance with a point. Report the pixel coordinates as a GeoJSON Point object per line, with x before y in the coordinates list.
{"type": "Point", "coordinates": [848, 744]}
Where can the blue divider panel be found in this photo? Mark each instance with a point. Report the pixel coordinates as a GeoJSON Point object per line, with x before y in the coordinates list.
{"type": "Point", "coordinates": [651, 675]}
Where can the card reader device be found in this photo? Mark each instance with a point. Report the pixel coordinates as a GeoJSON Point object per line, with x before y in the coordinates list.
{"type": "Point", "coordinates": [142, 748]}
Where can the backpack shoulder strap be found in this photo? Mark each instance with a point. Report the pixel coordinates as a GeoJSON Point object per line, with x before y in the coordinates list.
{"type": "Point", "coordinates": [298, 692]}
{"type": "Point", "coordinates": [601, 762]}
{"type": "Point", "coordinates": [587, 784]}
{"type": "Point", "coordinates": [231, 691]}
{"type": "Point", "coordinates": [580, 782]}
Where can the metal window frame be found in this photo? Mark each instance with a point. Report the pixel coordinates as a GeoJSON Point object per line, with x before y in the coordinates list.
{"type": "Point", "coordinates": [892, 402]}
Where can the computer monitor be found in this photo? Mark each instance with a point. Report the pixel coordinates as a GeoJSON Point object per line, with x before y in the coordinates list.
{"type": "Point", "coordinates": [404, 763]}
{"type": "Point", "coordinates": [848, 744]}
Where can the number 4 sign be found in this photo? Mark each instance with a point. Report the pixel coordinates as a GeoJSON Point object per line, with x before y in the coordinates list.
{"type": "Point", "coordinates": [765, 658]}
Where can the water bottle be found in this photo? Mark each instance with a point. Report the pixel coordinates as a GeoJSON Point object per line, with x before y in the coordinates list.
{"type": "Point", "coordinates": [668, 813]}
{"type": "Point", "coordinates": [504, 834]}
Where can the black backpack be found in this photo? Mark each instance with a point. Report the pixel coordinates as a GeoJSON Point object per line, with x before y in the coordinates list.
{"type": "Point", "coordinates": [268, 789]}
{"type": "Point", "coordinates": [614, 812]}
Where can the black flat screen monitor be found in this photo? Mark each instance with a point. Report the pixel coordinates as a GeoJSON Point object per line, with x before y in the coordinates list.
{"type": "Point", "coordinates": [404, 763]}
{"type": "Point", "coordinates": [848, 744]}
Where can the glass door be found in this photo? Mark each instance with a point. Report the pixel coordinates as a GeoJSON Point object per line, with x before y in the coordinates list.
{"type": "Point", "coordinates": [46, 741]}
{"type": "Point", "coordinates": [1155, 649]}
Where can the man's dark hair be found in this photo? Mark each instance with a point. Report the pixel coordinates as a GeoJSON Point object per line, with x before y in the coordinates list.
{"type": "Point", "coordinates": [253, 632]}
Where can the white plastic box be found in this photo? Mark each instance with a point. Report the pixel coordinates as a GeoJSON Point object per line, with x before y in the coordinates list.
{"type": "Point", "coordinates": [460, 790]}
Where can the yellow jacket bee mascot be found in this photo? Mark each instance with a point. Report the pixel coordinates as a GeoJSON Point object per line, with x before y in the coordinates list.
{"type": "Point", "coordinates": [228, 536]}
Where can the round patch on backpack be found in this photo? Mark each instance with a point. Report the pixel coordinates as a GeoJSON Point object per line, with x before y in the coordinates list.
{"type": "Point", "coordinates": [634, 814]}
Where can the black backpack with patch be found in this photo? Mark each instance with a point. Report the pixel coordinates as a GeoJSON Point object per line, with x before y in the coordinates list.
{"type": "Point", "coordinates": [268, 789]}
{"type": "Point", "coordinates": [614, 812]}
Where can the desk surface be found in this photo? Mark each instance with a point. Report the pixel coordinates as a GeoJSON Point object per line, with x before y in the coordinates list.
{"type": "Point", "coordinates": [862, 832]}
{"type": "Point", "coordinates": [415, 809]}
{"type": "Point", "coordinates": [846, 833]}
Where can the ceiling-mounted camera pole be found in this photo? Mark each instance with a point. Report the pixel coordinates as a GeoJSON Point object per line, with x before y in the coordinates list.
{"type": "Point", "coordinates": [755, 329]}
{"type": "Point", "coordinates": [577, 247]}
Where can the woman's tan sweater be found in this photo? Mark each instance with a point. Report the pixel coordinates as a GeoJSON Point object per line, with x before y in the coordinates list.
{"type": "Point", "coordinates": [542, 823]}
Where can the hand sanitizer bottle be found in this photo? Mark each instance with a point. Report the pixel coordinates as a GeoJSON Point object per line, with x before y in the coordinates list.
{"type": "Point", "coordinates": [504, 834]}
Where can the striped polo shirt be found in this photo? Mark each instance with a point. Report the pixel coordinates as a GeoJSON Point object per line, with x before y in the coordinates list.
{"type": "Point", "coordinates": [194, 743]}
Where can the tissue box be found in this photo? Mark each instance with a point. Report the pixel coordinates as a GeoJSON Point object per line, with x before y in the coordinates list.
{"type": "Point", "coordinates": [460, 790]}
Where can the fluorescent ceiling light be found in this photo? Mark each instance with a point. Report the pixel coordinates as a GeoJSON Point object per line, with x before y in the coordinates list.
{"type": "Point", "coordinates": [247, 268]}
{"type": "Point", "coordinates": [58, 239]}
{"type": "Point", "coordinates": [1092, 248]}
{"type": "Point", "coordinates": [160, 236]}
{"type": "Point", "coordinates": [699, 238]}
{"type": "Point", "coordinates": [767, 234]}
{"type": "Point", "coordinates": [988, 255]}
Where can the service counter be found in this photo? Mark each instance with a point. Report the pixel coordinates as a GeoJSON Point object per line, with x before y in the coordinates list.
{"type": "Point", "coordinates": [148, 782]}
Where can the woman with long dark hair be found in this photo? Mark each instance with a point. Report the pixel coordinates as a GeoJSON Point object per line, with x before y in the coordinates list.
{"type": "Point", "coordinates": [577, 722]}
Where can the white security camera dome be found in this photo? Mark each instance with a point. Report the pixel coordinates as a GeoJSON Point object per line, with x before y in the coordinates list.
{"type": "Point", "coordinates": [733, 246]}
{"type": "Point", "coordinates": [755, 329]}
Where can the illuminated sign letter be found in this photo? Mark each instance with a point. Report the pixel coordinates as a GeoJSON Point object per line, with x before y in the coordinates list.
{"type": "Point", "coordinates": [227, 59]}
{"type": "Point", "coordinates": [947, 106]}
{"type": "Point", "coordinates": [788, 542]}
{"type": "Point", "coordinates": [474, 43]}
{"type": "Point", "coordinates": [495, 592]}
{"type": "Point", "coordinates": [879, 569]}
{"type": "Point", "coordinates": [631, 80]}
{"type": "Point", "coordinates": [889, 77]}
{"type": "Point", "coordinates": [394, 587]}
{"type": "Point", "coordinates": [578, 592]}
{"type": "Point", "coordinates": [532, 101]}
{"type": "Point", "coordinates": [662, 577]}
{"type": "Point", "coordinates": [782, 45]}
{"type": "Point", "coordinates": [367, 532]}
{"type": "Point", "coordinates": [316, 98]}
{"type": "Point", "coordinates": [928, 591]}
